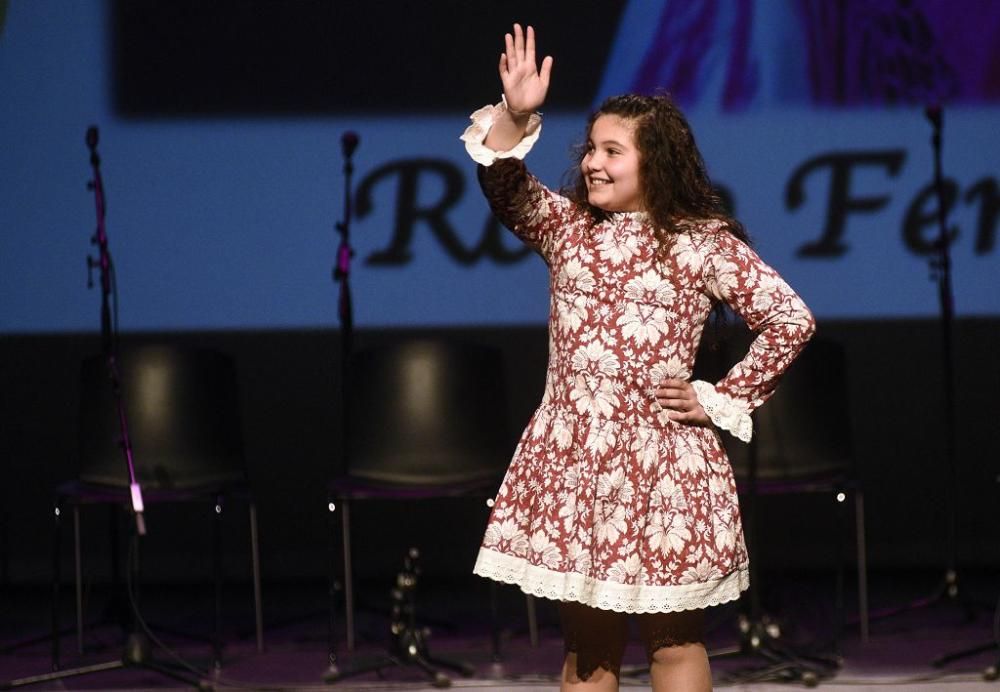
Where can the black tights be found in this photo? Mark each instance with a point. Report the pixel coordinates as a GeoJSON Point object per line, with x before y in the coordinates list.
{"type": "Point", "coordinates": [598, 637]}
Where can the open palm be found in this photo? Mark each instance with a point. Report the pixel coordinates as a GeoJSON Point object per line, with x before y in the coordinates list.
{"type": "Point", "coordinates": [524, 86]}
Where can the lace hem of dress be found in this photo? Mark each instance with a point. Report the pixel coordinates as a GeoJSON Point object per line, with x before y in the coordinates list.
{"type": "Point", "coordinates": [621, 598]}
{"type": "Point", "coordinates": [482, 121]}
{"type": "Point", "coordinates": [725, 412]}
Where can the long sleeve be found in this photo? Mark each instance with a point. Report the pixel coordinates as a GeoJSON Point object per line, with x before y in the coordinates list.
{"type": "Point", "coordinates": [534, 213]}
{"type": "Point", "coordinates": [733, 273]}
{"type": "Point", "coordinates": [518, 199]}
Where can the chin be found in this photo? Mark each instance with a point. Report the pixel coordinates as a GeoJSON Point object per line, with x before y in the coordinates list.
{"type": "Point", "coordinates": [595, 200]}
{"type": "Point", "coordinates": [610, 208]}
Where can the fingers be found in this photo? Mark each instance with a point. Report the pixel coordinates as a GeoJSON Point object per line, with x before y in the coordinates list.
{"type": "Point", "coordinates": [514, 46]}
{"type": "Point", "coordinates": [509, 53]}
{"type": "Point", "coordinates": [546, 72]}
{"type": "Point", "coordinates": [683, 416]}
{"type": "Point", "coordinates": [520, 48]}
{"type": "Point", "coordinates": [677, 395]}
{"type": "Point", "coordinates": [524, 85]}
{"type": "Point", "coordinates": [680, 402]}
{"type": "Point", "coordinates": [674, 382]}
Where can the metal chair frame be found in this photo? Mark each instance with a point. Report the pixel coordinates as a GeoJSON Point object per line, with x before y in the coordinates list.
{"type": "Point", "coordinates": [346, 490]}
{"type": "Point", "coordinates": [190, 449]}
{"type": "Point", "coordinates": [434, 382]}
{"type": "Point", "coordinates": [807, 460]}
{"type": "Point", "coordinates": [832, 486]}
{"type": "Point", "coordinates": [75, 495]}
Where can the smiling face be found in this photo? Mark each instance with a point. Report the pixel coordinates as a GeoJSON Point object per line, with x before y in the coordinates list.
{"type": "Point", "coordinates": [610, 167]}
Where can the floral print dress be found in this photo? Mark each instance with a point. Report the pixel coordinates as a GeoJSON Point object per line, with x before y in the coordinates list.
{"type": "Point", "coordinates": [607, 502]}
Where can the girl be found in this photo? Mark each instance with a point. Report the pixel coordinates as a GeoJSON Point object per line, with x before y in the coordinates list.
{"type": "Point", "coordinates": [620, 498]}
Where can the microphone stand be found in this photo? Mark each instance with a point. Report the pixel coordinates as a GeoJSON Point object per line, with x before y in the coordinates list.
{"type": "Point", "coordinates": [109, 329]}
{"type": "Point", "coordinates": [941, 272]}
{"type": "Point", "coordinates": [342, 270]}
{"type": "Point", "coordinates": [940, 265]}
{"type": "Point", "coordinates": [136, 653]}
{"type": "Point", "coordinates": [345, 314]}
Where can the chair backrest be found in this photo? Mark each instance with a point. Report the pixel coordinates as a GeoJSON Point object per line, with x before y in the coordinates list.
{"type": "Point", "coordinates": [182, 408]}
{"type": "Point", "coordinates": [804, 429]}
{"type": "Point", "coordinates": [427, 411]}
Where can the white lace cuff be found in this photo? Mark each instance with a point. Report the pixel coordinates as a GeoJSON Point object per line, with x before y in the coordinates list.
{"type": "Point", "coordinates": [725, 412]}
{"type": "Point", "coordinates": [482, 121]}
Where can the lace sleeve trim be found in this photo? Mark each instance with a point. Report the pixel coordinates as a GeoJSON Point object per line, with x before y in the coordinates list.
{"type": "Point", "coordinates": [482, 121]}
{"type": "Point", "coordinates": [726, 412]}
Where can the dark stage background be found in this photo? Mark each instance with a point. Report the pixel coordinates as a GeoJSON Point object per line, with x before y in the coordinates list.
{"type": "Point", "coordinates": [288, 385]}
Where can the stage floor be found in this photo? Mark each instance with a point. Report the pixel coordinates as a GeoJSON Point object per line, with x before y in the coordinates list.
{"type": "Point", "coordinates": [899, 653]}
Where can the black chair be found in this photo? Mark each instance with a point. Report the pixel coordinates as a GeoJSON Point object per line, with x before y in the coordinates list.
{"type": "Point", "coordinates": [426, 418]}
{"type": "Point", "coordinates": [183, 418]}
{"type": "Point", "coordinates": [802, 445]}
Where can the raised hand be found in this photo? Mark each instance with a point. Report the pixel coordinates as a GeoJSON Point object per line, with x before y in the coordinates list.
{"type": "Point", "coordinates": [524, 86]}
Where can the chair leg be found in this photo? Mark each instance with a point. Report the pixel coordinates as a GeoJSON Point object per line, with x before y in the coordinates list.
{"type": "Point", "coordinates": [255, 557]}
{"type": "Point", "coordinates": [859, 515]}
{"type": "Point", "coordinates": [56, 579]}
{"type": "Point", "coordinates": [78, 573]}
{"type": "Point", "coordinates": [494, 623]}
{"type": "Point", "coordinates": [843, 519]}
{"type": "Point", "coordinates": [532, 620]}
{"type": "Point", "coordinates": [348, 574]}
{"type": "Point", "coordinates": [331, 586]}
{"type": "Point", "coordinates": [529, 602]}
{"type": "Point", "coordinates": [217, 570]}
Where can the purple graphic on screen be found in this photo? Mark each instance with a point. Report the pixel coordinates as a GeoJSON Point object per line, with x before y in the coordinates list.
{"type": "Point", "coordinates": [693, 40]}
{"type": "Point", "coordinates": [902, 51]}
{"type": "Point", "coordinates": [736, 54]}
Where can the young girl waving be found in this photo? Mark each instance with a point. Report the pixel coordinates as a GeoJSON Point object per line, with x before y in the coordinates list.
{"type": "Point", "coordinates": [620, 498]}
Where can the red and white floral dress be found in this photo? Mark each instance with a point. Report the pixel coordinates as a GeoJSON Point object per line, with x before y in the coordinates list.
{"type": "Point", "coordinates": [607, 502]}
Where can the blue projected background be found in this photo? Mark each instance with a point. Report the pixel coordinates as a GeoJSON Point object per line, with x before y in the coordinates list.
{"type": "Point", "coordinates": [224, 217]}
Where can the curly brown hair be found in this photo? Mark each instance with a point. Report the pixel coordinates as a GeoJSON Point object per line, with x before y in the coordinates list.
{"type": "Point", "coordinates": [675, 185]}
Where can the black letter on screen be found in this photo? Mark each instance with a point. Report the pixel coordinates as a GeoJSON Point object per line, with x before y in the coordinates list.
{"type": "Point", "coordinates": [409, 174]}
{"type": "Point", "coordinates": [840, 201]}
{"type": "Point", "coordinates": [989, 209]}
{"type": "Point", "coordinates": [408, 213]}
{"type": "Point", "coordinates": [919, 217]}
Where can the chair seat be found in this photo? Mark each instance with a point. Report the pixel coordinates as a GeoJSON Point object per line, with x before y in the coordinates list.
{"type": "Point", "coordinates": [358, 488]}
{"type": "Point", "coordinates": [817, 483]}
{"type": "Point", "coordinates": [99, 493]}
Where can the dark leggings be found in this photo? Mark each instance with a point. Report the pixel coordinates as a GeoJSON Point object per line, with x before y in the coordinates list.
{"type": "Point", "coordinates": [598, 637]}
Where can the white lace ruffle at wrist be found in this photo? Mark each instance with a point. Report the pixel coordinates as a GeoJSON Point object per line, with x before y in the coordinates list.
{"type": "Point", "coordinates": [482, 121]}
{"type": "Point", "coordinates": [725, 412]}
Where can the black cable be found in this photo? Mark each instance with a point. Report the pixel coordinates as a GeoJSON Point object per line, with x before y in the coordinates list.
{"type": "Point", "coordinates": [114, 302]}
{"type": "Point", "coordinates": [129, 590]}
{"type": "Point", "coordinates": [996, 623]}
